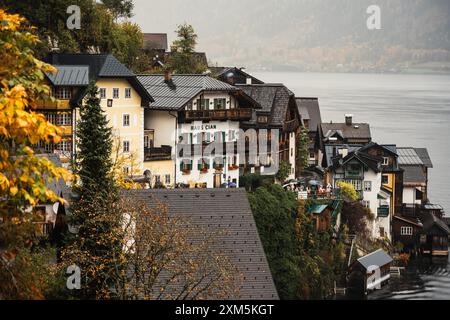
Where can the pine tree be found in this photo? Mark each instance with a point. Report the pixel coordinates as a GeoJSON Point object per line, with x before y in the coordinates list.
{"type": "Point", "coordinates": [96, 247]}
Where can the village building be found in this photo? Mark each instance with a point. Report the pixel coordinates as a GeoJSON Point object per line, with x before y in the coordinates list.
{"type": "Point", "coordinates": [435, 237]}
{"type": "Point", "coordinates": [278, 112]}
{"type": "Point", "coordinates": [370, 272]}
{"type": "Point", "coordinates": [309, 111]}
{"type": "Point", "coordinates": [227, 213]}
{"type": "Point", "coordinates": [122, 98]}
{"type": "Point", "coordinates": [415, 162]}
{"type": "Point", "coordinates": [344, 133]}
{"type": "Point", "coordinates": [191, 113]}
{"type": "Point", "coordinates": [352, 165]}
{"type": "Point", "coordinates": [392, 174]}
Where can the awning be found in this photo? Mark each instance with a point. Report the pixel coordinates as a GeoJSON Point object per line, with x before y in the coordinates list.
{"type": "Point", "coordinates": [383, 195]}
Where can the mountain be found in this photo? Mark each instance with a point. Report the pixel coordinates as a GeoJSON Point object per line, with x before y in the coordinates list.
{"type": "Point", "coordinates": [312, 35]}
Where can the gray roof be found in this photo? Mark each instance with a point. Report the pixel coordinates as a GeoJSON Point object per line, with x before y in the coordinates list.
{"type": "Point", "coordinates": [227, 210]}
{"type": "Point", "coordinates": [354, 131]}
{"type": "Point", "coordinates": [413, 174]}
{"type": "Point", "coordinates": [414, 156]}
{"type": "Point", "coordinates": [309, 109]}
{"type": "Point", "coordinates": [377, 258]}
{"type": "Point", "coordinates": [429, 220]}
{"type": "Point", "coordinates": [273, 98]}
{"type": "Point", "coordinates": [99, 65]}
{"type": "Point", "coordinates": [184, 88]}
{"type": "Point", "coordinates": [69, 76]}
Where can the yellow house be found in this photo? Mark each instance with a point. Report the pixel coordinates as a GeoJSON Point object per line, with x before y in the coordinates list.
{"type": "Point", "coordinates": [123, 99]}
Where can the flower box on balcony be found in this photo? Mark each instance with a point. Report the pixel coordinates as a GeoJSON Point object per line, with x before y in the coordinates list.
{"type": "Point", "coordinates": [218, 168]}
{"type": "Point", "coordinates": [204, 170]}
{"type": "Point", "coordinates": [233, 167]}
{"type": "Point", "coordinates": [186, 172]}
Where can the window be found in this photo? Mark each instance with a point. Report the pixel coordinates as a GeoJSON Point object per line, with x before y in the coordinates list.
{"type": "Point", "coordinates": [126, 170]}
{"type": "Point", "coordinates": [382, 232]}
{"type": "Point", "coordinates": [127, 93]}
{"type": "Point", "coordinates": [368, 186]}
{"type": "Point", "coordinates": [384, 179]}
{"type": "Point", "coordinates": [149, 137]}
{"type": "Point", "coordinates": [62, 93]}
{"type": "Point", "coordinates": [231, 135]}
{"type": "Point", "coordinates": [102, 93]}
{"type": "Point", "coordinates": [126, 120]}
{"type": "Point", "coordinates": [263, 119]}
{"type": "Point", "coordinates": [64, 119]}
{"type": "Point", "coordinates": [312, 155]}
{"type": "Point", "coordinates": [202, 104]}
{"type": "Point", "coordinates": [64, 145]}
{"type": "Point", "coordinates": [126, 146]}
{"type": "Point", "coordinates": [220, 103]}
{"type": "Point", "coordinates": [366, 203]}
{"type": "Point", "coordinates": [385, 161]}
{"type": "Point", "coordinates": [115, 93]}
{"type": "Point", "coordinates": [406, 231]}
{"type": "Point", "coordinates": [157, 178]}
{"type": "Point", "coordinates": [189, 106]}
{"type": "Point", "coordinates": [167, 178]}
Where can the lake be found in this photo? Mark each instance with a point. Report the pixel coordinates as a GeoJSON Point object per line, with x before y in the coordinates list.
{"type": "Point", "coordinates": [406, 110]}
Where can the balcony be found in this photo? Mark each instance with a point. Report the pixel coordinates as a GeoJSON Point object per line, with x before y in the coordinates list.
{"type": "Point", "coordinates": [410, 210]}
{"type": "Point", "coordinates": [56, 104]}
{"type": "Point", "coordinates": [219, 115]}
{"type": "Point", "coordinates": [155, 154]}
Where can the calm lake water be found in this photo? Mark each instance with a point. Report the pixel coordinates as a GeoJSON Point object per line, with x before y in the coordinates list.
{"type": "Point", "coordinates": [407, 110]}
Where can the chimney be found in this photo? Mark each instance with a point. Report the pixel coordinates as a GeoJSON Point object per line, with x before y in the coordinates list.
{"type": "Point", "coordinates": [167, 76]}
{"type": "Point", "coordinates": [348, 119]}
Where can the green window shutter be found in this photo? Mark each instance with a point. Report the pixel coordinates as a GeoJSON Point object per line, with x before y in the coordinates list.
{"type": "Point", "coordinates": [190, 165]}
{"type": "Point", "coordinates": [223, 136]}
{"type": "Point", "coordinates": [181, 165]}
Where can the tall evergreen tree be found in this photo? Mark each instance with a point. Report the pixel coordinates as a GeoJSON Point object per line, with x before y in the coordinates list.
{"type": "Point", "coordinates": [96, 247]}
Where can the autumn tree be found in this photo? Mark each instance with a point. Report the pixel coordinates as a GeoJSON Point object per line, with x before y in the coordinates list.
{"type": "Point", "coordinates": [182, 59]}
{"type": "Point", "coordinates": [164, 262]}
{"type": "Point", "coordinates": [23, 175]}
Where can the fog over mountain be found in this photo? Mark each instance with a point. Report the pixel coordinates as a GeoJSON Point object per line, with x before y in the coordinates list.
{"type": "Point", "coordinates": [310, 35]}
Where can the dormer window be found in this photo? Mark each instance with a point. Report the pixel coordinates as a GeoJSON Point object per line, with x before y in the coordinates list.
{"type": "Point", "coordinates": [385, 161]}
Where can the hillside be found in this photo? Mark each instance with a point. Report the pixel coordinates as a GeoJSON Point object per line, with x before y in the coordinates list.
{"type": "Point", "coordinates": [313, 35]}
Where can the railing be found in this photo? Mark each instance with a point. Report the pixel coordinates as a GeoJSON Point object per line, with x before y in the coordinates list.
{"type": "Point", "coordinates": [229, 114]}
{"type": "Point", "coordinates": [410, 210]}
{"type": "Point", "coordinates": [161, 153]}
{"type": "Point", "coordinates": [57, 104]}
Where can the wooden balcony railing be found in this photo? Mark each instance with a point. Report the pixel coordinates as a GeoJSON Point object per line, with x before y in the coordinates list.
{"type": "Point", "coordinates": [229, 114]}
{"type": "Point", "coordinates": [57, 104]}
{"type": "Point", "coordinates": [161, 153]}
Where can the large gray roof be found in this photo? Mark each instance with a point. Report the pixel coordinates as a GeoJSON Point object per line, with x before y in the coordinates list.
{"type": "Point", "coordinates": [414, 156]}
{"type": "Point", "coordinates": [69, 76]}
{"type": "Point", "coordinates": [413, 174]}
{"type": "Point", "coordinates": [273, 98]}
{"type": "Point", "coordinates": [222, 210]}
{"type": "Point", "coordinates": [309, 109]}
{"type": "Point", "coordinates": [182, 89]}
{"type": "Point", "coordinates": [429, 220]}
{"type": "Point", "coordinates": [377, 258]}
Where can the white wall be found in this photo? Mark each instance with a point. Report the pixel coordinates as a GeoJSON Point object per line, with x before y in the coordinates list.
{"type": "Point", "coordinates": [164, 125]}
